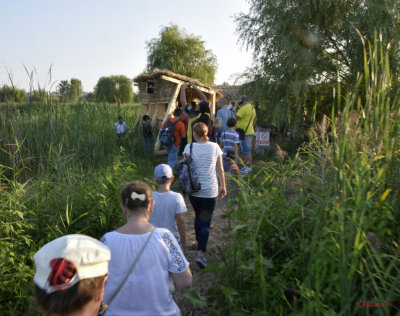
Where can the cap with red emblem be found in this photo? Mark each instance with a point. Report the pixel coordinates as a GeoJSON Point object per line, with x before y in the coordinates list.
{"type": "Point", "coordinates": [66, 260]}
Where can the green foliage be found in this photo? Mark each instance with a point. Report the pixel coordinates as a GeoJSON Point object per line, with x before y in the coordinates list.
{"type": "Point", "coordinates": [63, 89]}
{"type": "Point", "coordinates": [327, 222]}
{"type": "Point", "coordinates": [181, 53]}
{"type": "Point", "coordinates": [76, 90]}
{"type": "Point", "coordinates": [114, 89]}
{"type": "Point", "coordinates": [61, 172]}
{"type": "Point", "coordinates": [12, 94]}
{"type": "Point", "coordinates": [301, 45]}
{"type": "Point", "coordinates": [71, 91]}
{"type": "Point", "coordinates": [39, 96]}
{"type": "Point", "coordinates": [54, 135]}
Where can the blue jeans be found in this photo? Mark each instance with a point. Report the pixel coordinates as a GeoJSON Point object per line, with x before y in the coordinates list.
{"type": "Point", "coordinates": [203, 208]}
{"type": "Point", "coordinates": [172, 156]}
{"type": "Point", "coordinates": [147, 144]}
{"type": "Point", "coordinates": [245, 144]}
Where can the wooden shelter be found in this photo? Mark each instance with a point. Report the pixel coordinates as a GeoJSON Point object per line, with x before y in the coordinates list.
{"type": "Point", "coordinates": [159, 97]}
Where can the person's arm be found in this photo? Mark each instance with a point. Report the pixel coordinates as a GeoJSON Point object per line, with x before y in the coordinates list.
{"type": "Point", "coordinates": [221, 176]}
{"type": "Point", "coordinates": [236, 150]}
{"type": "Point", "coordinates": [200, 93]}
{"type": "Point", "coordinates": [180, 223]}
{"type": "Point", "coordinates": [187, 107]}
{"type": "Point", "coordinates": [218, 121]}
{"type": "Point", "coordinates": [182, 95]}
{"type": "Point", "coordinates": [238, 114]}
{"type": "Point", "coordinates": [182, 130]}
{"type": "Point", "coordinates": [182, 280]}
{"type": "Point", "coordinates": [255, 121]}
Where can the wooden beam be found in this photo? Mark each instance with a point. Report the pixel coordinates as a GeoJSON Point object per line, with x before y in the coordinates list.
{"type": "Point", "coordinates": [213, 106]}
{"type": "Point", "coordinates": [209, 91]}
{"type": "Point", "coordinates": [140, 114]}
{"type": "Point", "coordinates": [154, 119]}
{"type": "Point", "coordinates": [171, 108]}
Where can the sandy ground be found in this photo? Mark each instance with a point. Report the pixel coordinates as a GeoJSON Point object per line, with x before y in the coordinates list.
{"type": "Point", "coordinates": [220, 237]}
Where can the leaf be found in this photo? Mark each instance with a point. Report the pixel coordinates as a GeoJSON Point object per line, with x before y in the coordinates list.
{"type": "Point", "coordinates": [196, 299]}
{"type": "Point", "coordinates": [385, 194]}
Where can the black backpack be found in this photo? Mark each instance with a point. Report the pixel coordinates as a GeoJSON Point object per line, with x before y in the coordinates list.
{"type": "Point", "coordinates": [146, 130]}
{"type": "Point", "coordinates": [167, 137]}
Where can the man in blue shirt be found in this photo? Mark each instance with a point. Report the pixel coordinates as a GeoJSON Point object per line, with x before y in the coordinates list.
{"type": "Point", "coordinates": [223, 115]}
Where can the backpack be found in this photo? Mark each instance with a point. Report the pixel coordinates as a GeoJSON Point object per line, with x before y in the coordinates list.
{"type": "Point", "coordinates": [188, 178]}
{"type": "Point", "coordinates": [146, 130]}
{"type": "Point", "coordinates": [167, 137]}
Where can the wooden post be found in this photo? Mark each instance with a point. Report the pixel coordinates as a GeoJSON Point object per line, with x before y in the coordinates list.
{"type": "Point", "coordinates": [171, 108]}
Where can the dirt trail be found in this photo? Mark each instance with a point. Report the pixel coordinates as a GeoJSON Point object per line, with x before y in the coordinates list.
{"type": "Point", "coordinates": [220, 236]}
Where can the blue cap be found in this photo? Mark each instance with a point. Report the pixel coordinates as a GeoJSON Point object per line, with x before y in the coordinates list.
{"type": "Point", "coordinates": [162, 173]}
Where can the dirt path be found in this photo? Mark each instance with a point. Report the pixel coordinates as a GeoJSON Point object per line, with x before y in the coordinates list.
{"type": "Point", "coordinates": [220, 236]}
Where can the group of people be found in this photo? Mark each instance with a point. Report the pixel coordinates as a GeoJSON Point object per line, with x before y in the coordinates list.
{"type": "Point", "coordinates": [229, 118]}
{"type": "Point", "coordinates": [133, 270]}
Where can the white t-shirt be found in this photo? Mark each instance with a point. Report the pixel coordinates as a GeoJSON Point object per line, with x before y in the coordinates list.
{"type": "Point", "coordinates": [205, 157]}
{"type": "Point", "coordinates": [146, 291]}
{"type": "Point", "coordinates": [166, 206]}
{"type": "Point", "coordinates": [121, 128]}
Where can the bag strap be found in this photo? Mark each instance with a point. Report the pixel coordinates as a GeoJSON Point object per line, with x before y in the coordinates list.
{"type": "Point", "coordinates": [252, 109]}
{"type": "Point", "coordinates": [130, 270]}
{"type": "Point", "coordinates": [190, 167]}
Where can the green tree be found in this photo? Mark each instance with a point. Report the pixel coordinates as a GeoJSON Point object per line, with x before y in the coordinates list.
{"type": "Point", "coordinates": [76, 90]}
{"type": "Point", "coordinates": [182, 53]}
{"type": "Point", "coordinates": [12, 94]}
{"type": "Point", "coordinates": [63, 89]}
{"type": "Point", "coordinates": [302, 44]}
{"type": "Point", "coordinates": [71, 91]}
{"type": "Point", "coordinates": [114, 88]}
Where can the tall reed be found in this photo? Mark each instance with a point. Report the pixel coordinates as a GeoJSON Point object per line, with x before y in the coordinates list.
{"type": "Point", "coordinates": [319, 233]}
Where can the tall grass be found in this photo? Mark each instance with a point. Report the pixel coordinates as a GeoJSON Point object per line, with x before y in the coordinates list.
{"type": "Point", "coordinates": [47, 136]}
{"type": "Point", "coordinates": [61, 171]}
{"type": "Point", "coordinates": [326, 223]}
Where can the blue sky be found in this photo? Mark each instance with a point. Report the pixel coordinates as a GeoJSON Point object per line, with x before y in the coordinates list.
{"type": "Point", "coordinates": [88, 39]}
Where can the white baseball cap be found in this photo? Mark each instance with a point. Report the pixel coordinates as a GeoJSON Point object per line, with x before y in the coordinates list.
{"type": "Point", "coordinates": [163, 173]}
{"type": "Point", "coordinates": [84, 257]}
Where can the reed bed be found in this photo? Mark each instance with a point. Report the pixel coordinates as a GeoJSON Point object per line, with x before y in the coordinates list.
{"type": "Point", "coordinates": [319, 233]}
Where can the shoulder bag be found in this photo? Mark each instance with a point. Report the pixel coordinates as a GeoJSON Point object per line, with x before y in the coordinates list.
{"type": "Point", "coordinates": [188, 179]}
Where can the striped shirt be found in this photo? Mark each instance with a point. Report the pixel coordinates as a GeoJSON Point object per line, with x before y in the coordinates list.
{"type": "Point", "coordinates": [229, 139]}
{"type": "Point", "coordinates": [205, 157]}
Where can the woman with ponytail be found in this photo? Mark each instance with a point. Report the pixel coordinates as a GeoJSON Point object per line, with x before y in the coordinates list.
{"type": "Point", "coordinates": [207, 161]}
{"type": "Point", "coordinates": [146, 262]}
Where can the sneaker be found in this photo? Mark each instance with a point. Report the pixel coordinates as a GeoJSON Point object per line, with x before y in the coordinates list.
{"type": "Point", "coordinates": [201, 261]}
{"type": "Point", "coordinates": [245, 170]}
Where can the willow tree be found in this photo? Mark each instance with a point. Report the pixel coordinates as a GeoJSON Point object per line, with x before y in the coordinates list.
{"type": "Point", "coordinates": [182, 53]}
{"type": "Point", "coordinates": [114, 88]}
{"type": "Point", "coordinates": [310, 44]}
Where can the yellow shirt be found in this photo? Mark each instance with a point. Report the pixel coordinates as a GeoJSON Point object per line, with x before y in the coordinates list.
{"type": "Point", "coordinates": [246, 112]}
{"type": "Point", "coordinates": [189, 128]}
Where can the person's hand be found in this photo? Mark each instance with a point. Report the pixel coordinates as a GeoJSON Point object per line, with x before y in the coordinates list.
{"type": "Point", "coordinates": [222, 192]}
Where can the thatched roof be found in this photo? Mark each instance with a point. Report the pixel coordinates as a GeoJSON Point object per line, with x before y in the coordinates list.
{"type": "Point", "coordinates": [165, 72]}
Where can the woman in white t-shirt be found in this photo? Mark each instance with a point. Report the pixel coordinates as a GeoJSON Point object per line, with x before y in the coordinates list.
{"type": "Point", "coordinates": [147, 288]}
{"type": "Point", "coordinates": [207, 161]}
